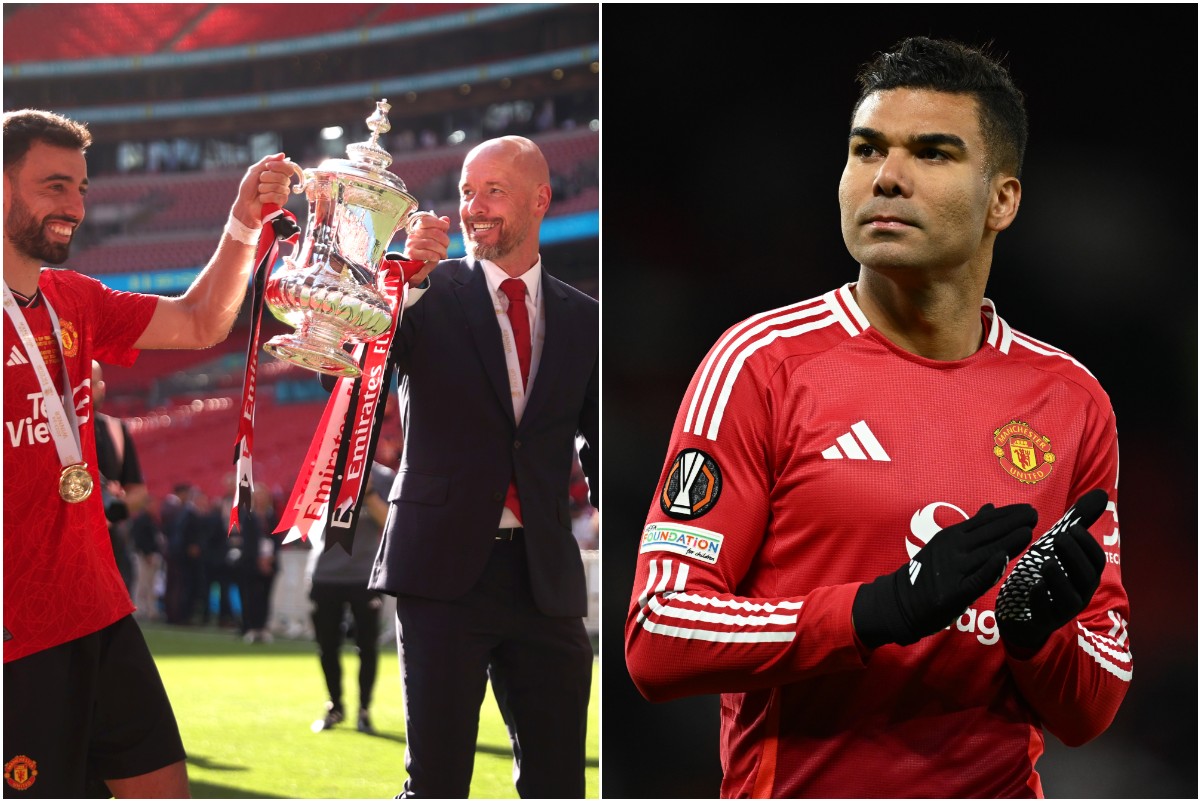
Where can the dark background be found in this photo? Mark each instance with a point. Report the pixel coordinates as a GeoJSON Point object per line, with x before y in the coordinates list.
{"type": "Point", "coordinates": [724, 142]}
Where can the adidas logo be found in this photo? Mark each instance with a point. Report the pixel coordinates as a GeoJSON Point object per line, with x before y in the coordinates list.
{"type": "Point", "coordinates": [865, 446]}
{"type": "Point", "coordinates": [15, 357]}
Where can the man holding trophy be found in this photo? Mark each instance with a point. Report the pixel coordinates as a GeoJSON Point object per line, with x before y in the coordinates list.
{"type": "Point", "coordinates": [499, 374]}
{"type": "Point", "coordinates": [498, 365]}
{"type": "Point", "coordinates": [84, 706]}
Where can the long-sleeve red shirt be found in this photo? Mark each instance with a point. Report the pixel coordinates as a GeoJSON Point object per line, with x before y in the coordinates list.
{"type": "Point", "coordinates": [810, 455]}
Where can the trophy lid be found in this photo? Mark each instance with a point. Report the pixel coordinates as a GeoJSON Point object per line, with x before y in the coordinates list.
{"type": "Point", "coordinates": [368, 158]}
{"type": "Point", "coordinates": [369, 151]}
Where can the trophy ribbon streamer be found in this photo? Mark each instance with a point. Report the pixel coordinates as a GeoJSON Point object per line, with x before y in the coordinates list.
{"type": "Point", "coordinates": [278, 225]}
{"type": "Point", "coordinates": [329, 490]}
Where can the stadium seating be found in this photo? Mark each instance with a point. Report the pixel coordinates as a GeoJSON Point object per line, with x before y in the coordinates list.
{"type": "Point", "coordinates": [403, 12]}
{"type": "Point", "coordinates": [137, 29]}
{"type": "Point", "coordinates": [148, 253]}
{"type": "Point", "coordinates": [191, 438]}
{"type": "Point", "coordinates": [170, 221]}
{"type": "Point", "coordinates": [242, 23]}
{"type": "Point", "coordinates": [238, 23]}
{"type": "Point", "coordinates": [587, 200]}
{"type": "Point", "coordinates": [102, 29]}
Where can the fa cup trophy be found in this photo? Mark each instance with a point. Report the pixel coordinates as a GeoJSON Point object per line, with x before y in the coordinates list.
{"type": "Point", "coordinates": [328, 292]}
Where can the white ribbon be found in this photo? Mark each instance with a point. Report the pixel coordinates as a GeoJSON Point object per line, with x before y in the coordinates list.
{"type": "Point", "coordinates": [63, 423]}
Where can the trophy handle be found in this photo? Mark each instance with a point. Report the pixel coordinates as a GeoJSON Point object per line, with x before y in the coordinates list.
{"type": "Point", "coordinates": [269, 209]}
{"type": "Point", "coordinates": [412, 218]}
{"type": "Point", "coordinates": [299, 171]}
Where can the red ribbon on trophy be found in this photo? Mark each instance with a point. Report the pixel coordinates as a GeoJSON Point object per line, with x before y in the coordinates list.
{"type": "Point", "coordinates": [279, 225]}
{"type": "Point", "coordinates": [329, 489]}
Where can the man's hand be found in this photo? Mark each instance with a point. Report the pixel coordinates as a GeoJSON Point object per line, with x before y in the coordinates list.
{"type": "Point", "coordinates": [957, 566]}
{"type": "Point", "coordinates": [428, 241]}
{"type": "Point", "coordinates": [204, 315]}
{"type": "Point", "coordinates": [266, 181]}
{"type": "Point", "coordinates": [1055, 579]}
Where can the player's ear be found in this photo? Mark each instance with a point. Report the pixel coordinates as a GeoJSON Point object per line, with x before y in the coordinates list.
{"type": "Point", "coordinates": [1004, 202]}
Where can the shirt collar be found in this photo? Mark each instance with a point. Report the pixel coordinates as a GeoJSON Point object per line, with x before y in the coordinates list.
{"type": "Point", "coordinates": [495, 274]}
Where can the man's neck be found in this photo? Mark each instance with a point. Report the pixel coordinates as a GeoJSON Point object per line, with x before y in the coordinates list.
{"type": "Point", "coordinates": [20, 272]}
{"type": "Point", "coordinates": [933, 319]}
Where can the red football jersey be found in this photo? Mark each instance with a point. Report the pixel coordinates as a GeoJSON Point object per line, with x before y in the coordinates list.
{"type": "Point", "coordinates": [811, 455]}
{"type": "Point", "coordinates": [60, 577]}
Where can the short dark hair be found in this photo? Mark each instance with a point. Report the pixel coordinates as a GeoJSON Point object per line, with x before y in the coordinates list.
{"type": "Point", "coordinates": [942, 65]}
{"type": "Point", "coordinates": [24, 127]}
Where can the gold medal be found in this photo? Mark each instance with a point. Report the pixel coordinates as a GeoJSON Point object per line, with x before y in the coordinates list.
{"type": "Point", "coordinates": [75, 484]}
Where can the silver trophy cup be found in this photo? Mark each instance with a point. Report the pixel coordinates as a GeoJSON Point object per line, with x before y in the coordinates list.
{"type": "Point", "coordinates": [328, 291]}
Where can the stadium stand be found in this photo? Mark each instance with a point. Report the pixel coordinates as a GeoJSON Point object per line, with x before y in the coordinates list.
{"type": "Point", "coordinates": [181, 97]}
{"type": "Point", "coordinates": [100, 29]}
{"type": "Point", "coordinates": [170, 221]}
{"type": "Point", "coordinates": [139, 29]}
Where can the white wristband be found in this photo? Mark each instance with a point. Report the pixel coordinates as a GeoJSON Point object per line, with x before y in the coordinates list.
{"type": "Point", "coordinates": [241, 232]}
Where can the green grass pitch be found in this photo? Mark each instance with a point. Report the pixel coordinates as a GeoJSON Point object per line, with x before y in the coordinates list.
{"type": "Point", "coordinates": [245, 712]}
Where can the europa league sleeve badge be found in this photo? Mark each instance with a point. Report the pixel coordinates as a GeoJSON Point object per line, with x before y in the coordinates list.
{"type": "Point", "coordinates": [75, 483]}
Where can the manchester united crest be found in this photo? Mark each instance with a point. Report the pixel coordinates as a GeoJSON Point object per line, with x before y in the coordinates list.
{"type": "Point", "coordinates": [1024, 454]}
{"type": "Point", "coordinates": [20, 772]}
{"type": "Point", "coordinates": [70, 338]}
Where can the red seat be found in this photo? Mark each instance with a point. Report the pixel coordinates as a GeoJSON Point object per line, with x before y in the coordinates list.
{"type": "Point", "coordinates": [134, 29]}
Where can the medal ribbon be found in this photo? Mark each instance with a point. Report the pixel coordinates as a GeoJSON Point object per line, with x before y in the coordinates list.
{"type": "Point", "coordinates": [339, 459]}
{"type": "Point", "coordinates": [62, 421]}
{"type": "Point", "coordinates": [278, 225]}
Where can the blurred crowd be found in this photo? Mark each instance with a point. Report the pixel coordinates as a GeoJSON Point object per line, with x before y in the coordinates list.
{"type": "Point", "coordinates": [190, 569]}
{"type": "Point", "coordinates": [184, 566]}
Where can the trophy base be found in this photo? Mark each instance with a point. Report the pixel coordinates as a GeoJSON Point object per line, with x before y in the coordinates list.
{"type": "Point", "coordinates": [293, 349]}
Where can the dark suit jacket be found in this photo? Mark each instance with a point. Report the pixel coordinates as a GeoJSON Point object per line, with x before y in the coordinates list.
{"type": "Point", "coordinates": [462, 444]}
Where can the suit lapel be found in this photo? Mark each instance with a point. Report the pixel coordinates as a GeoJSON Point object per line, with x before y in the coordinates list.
{"type": "Point", "coordinates": [480, 312]}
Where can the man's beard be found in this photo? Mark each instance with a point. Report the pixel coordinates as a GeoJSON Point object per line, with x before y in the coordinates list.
{"type": "Point", "coordinates": [28, 235]}
{"type": "Point", "coordinates": [510, 237]}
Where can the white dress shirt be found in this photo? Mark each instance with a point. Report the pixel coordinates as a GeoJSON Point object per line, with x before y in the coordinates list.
{"type": "Point", "coordinates": [533, 306]}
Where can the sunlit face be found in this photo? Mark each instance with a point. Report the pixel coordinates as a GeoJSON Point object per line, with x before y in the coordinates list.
{"type": "Point", "coordinates": [914, 192]}
{"type": "Point", "coordinates": [43, 202]}
{"type": "Point", "coordinates": [496, 206]}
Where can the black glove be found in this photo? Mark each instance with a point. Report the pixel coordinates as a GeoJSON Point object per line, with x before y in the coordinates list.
{"type": "Point", "coordinates": [1055, 579]}
{"type": "Point", "coordinates": [957, 566]}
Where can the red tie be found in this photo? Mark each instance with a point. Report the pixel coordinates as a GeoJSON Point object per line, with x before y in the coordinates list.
{"type": "Point", "coordinates": [518, 318]}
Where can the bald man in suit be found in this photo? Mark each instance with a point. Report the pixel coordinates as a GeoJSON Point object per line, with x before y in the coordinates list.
{"type": "Point", "coordinates": [478, 547]}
